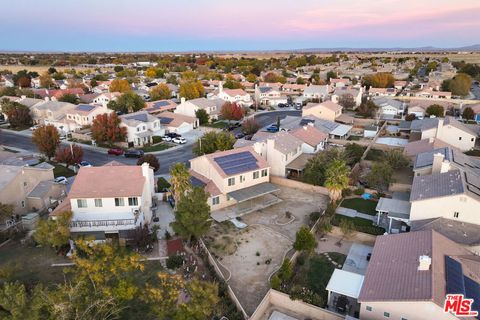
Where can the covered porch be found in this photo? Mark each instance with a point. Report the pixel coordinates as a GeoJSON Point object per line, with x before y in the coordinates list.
{"type": "Point", "coordinates": [295, 168]}
{"type": "Point", "coordinates": [250, 199]}
{"type": "Point", "coordinates": [343, 291]}
{"type": "Point", "coordinates": [393, 215]}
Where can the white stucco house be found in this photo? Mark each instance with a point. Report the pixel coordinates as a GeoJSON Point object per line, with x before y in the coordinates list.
{"type": "Point", "coordinates": [141, 127]}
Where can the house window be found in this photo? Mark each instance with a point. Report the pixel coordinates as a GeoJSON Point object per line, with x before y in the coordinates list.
{"type": "Point", "coordinates": [138, 129]}
{"type": "Point", "coordinates": [215, 200]}
{"type": "Point", "coordinates": [133, 201]}
{"type": "Point", "coordinates": [81, 203]}
{"type": "Point", "coordinates": [256, 174]}
{"type": "Point", "coordinates": [23, 204]}
{"type": "Point", "coordinates": [386, 314]}
{"type": "Point", "coordinates": [404, 318]}
{"type": "Point", "coordinates": [264, 172]}
{"type": "Point", "coordinates": [242, 178]}
{"type": "Point", "coordinates": [231, 181]}
{"type": "Point", "coordinates": [98, 203]}
{"type": "Point", "coordinates": [456, 214]}
{"type": "Point", "coordinates": [473, 139]}
{"type": "Point", "coordinates": [459, 138]}
{"type": "Point", "coordinates": [25, 183]}
{"type": "Point", "coordinates": [229, 198]}
{"type": "Point", "coordinates": [119, 202]}
{"type": "Point", "coordinates": [368, 308]}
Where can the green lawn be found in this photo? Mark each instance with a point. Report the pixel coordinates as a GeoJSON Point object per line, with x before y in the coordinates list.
{"type": "Point", "coordinates": [60, 170]}
{"type": "Point", "coordinates": [218, 125]}
{"type": "Point", "coordinates": [361, 205]}
{"type": "Point", "coordinates": [354, 138]}
{"type": "Point", "coordinates": [375, 155]}
{"type": "Point", "coordinates": [31, 264]}
{"type": "Point", "coordinates": [157, 147]}
{"type": "Point", "coordinates": [361, 225]}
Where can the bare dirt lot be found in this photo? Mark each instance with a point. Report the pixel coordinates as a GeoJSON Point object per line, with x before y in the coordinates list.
{"type": "Point", "coordinates": [251, 255]}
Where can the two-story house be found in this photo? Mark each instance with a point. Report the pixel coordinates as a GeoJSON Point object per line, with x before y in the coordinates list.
{"type": "Point", "coordinates": [104, 98]}
{"type": "Point", "coordinates": [53, 113]}
{"type": "Point", "coordinates": [316, 92]}
{"type": "Point", "coordinates": [141, 127]}
{"type": "Point", "coordinates": [348, 93]}
{"type": "Point", "coordinates": [232, 95]}
{"type": "Point", "coordinates": [109, 201]}
{"type": "Point", "coordinates": [189, 107]}
{"type": "Point", "coordinates": [83, 115]}
{"type": "Point", "coordinates": [269, 96]}
{"type": "Point", "coordinates": [234, 177]}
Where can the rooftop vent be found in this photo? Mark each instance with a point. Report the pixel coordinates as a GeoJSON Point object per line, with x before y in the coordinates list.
{"type": "Point", "coordinates": [424, 263]}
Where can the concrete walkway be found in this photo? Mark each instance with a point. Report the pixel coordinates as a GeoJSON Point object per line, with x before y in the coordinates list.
{"type": "Point", "coordinates": [354, 213]}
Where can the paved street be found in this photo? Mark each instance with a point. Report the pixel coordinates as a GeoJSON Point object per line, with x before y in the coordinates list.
{"type": "Point", "coordinates": [98, 158]}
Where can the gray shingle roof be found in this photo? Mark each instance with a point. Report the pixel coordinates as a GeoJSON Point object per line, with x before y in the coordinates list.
{"type": "Point", "coordinates": [425, 159]}
{"type": "Point", "coordinates": [437, 185]}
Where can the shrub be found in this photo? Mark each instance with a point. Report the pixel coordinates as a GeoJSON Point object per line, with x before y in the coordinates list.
{"type": "Point", "coordinates": [346, 192]}
{"type": "Point", "coordinates": [157, 139]}
{"type": "Point", "coordinates": [288, 214]}
{"type": "Point", "coordinates": [257, 254]}
{"type": "Point", "coordinates": [301, 260]}
{"type": "Point", "coordinates": [359, 191]}
{"type": "Point", "coordinates": [174, 262]}
{"type": "Point", "coordinates": [314, 216]}
{"type": "Point", "coordinates": [275, 282]}
{"type": "Point", "coordinates": [162, 184]}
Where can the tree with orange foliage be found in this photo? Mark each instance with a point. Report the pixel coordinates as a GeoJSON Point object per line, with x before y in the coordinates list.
{"type": "Point", "coordinates": [120, 85]}
{"type": "Point", "coordinates": [47, 139]}
{"type": "Point", "coordinates": [231, 111]}
{"type": "Point", "coordinates": [106, 129]}
{"type": "Point", "coordinates": [379, 80]}
{"type": "Point", "coordinates": [69, 155]}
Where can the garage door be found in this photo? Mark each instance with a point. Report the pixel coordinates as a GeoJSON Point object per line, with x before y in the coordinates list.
{"type": "Point", "coordinates": [184, 128]}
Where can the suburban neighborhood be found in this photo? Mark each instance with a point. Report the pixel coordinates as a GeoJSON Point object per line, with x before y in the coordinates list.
{"type": "Point", "coordinates": [273, 184]}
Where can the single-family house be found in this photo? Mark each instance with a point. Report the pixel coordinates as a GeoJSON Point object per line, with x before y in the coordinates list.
{"type": "Point", "coordinates": [177, 123]}
{"type": "Point", "coordinates": [313, 139]}
{"type": "Point", "coordinates": [389, 107]}
{"type": "Point", "coordinates": [53, 113]}
{"type": "Point", "coordinates": [348, 93]}
{"type": "Point", "coordinates": [340, 82]}
{"type": "Point", "coordinates": [410, 274]}
{"type": "Point", "coordinates": [316, 92]}
{"type": "Point", "coordinates": [269, 96]}
{"type": "Point", "coordinates": [83, 115]}
{"type": "Point", "coordinates": [104, 98]}
{"type": "Point", "coordinates": [156, 107]}
{"type": "Point", "coordinates": [238, 96]}
{"type": "Point", "coordinates": [141, 127]}
{"type": "Point", "coordinates": [189, 107]}
{"type": "Point", "coordinates": [110, 201]}
{"type": "Point", "coordinates": [327, 110]}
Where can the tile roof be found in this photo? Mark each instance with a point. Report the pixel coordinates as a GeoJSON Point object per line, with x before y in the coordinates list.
{"type": "Point", "coordinates": [175, 119]}
{"type": "Point", "coordinates": [199, 180]}
{"type": "Point", "coordinates": [310, 135]}
{"type": "Point", "coordinates": [108, 182]}
{"type": "Point", "coordinates": [458, 231]}
{"type": "Point", "coordinates": [393, 274]}
{"type": "Point", "coordinates": [415, 147]}
{"type": "Point", "coordinates": [437, 185]}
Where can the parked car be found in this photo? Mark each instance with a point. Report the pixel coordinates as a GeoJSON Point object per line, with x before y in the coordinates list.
{"type": "Point", "coordinates": [33, 128]}
{"type": "Point", "coordinates": [179, 140]}
{"type": "Point", "coordinates": [281, 105]}
{"type": "Point", "coordinates": [84, 164]}
{"type": "Point", "coordinates": [61, 180]}
{"type": "Point", "coordinates": [133, 153]}
{"type": "Point", "coordinates": [272, 128]}
{"type": "Point", "coordinates": [298, 106]}
{"type": "Point", "coordinates": [115, 151]}
{"type": "Point", "coordinates": [173, 135]}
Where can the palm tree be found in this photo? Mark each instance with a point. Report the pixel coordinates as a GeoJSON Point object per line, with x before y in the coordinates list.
{"type": "Point", "coordinates": [337, 178]}
{"type": "Point", "coordinates": [180, 180]}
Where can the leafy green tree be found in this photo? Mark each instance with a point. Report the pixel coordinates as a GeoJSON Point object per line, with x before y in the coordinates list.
{"type": "Point", "coordinates": [160, 92]}
{"type": "Point", "coordinates": [47, 140]}
{"type": "Point", "coordinates": [192, 217]}
{"type": "Point", "coordinates": [380, 176]}
{"type": "Point", "coordinates": [396, 159]}
{"type": "Point", "coordinates": [353, 153]}
{"type": "Point", "coordinates": [331, 75]}
{"type": "Point", "coordinates": [304, 240]}
{"type": "Point", "coordinates": [435, 110]}
{"type": "Point", "coordinates": [460, 84]}
{"type": "Point", "coordinates": [151, 160]}
{"type": "Point", "coordinates": [232, 84]}
{"type": "Point", "coordinates": [315, 168]}
{"type": "Point", "coordinates": [54, 233]}
{"type": "Point", "coordinates": [213, 141]}
{"type": "Point", "coordinates": [202, 115]}
{"type": "Point", "coordinates": [285, 272]}
{"type": "Point", "coordinates": [468, 113]}
{"type": "Point", "coordinates": [179, 180]}
{"type": "Point", "coordinates": [336, 179]}
{"type": "Point", "coordinates": [69, 97]}
{"type": "Point", "coordinates": [203, 299]}
{"type": "Point", "coordinates": [127, 103]}
{"type": "Point", "coordinates": [347, 227]}
{"type": "Point", "coordinates": [16, 303]}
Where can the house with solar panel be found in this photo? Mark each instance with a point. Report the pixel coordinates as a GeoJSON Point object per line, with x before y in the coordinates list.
{"type": "Point", "coordinates": [268, 95]}
{"type": "Point", "coordinates": [83, 115]}
{"type": "Point", "coordinates": [156, 107]}
{"type": "Point", "coordinates": [177, 123]}
{"type": "Point", "coordinates": [141, 128]}
{"type": "Point", "coordinates": [410, 274]}
{"type": "Point", "coordinates": [238, 179]}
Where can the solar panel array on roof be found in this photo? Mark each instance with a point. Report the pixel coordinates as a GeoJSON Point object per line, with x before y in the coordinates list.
{"type": "Point", "coordinates": [472, 291]}
{"type": "Point", "coordinates": [196, 182]}
{"type": "Point", "coordinates": [164, 120]}
{"type": "Point", "coordinates": [85, 107]}
{"type": "Point", "coordinates": [304, 122]}
{"type": "Point", "coordinates": [454, 275]}
{"type": "Point", "coordinates": [139, 117]}
{"type": "Point", "coordinates": [237, 162]}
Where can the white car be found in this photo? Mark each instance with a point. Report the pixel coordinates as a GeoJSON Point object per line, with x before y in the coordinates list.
{"type": "Point", "coordinates": [33, 128]}
{"type": "Point", "coordinates": [179, 140]}
{"type": "Point", "coordinates": [61, 180]}
{"type": "Point", "coordinates": [166, 138]}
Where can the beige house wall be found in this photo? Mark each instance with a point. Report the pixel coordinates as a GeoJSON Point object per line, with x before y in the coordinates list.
{"type": "Point", "coordinates": [16, 191]}
{"type": "Point", "coordinates": [411, 310]}
{"type": "Point", "coordinates": [321, 112]}
{"type": "Point", "coordinates": [466, 206]}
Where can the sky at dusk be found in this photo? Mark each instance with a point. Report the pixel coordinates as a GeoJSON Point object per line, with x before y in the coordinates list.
{"type": "Point", "coordinates": [186, 25]}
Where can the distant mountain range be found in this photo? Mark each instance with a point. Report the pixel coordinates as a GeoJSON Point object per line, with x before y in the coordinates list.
{"type": "Point", "coordinates": [475, 47]}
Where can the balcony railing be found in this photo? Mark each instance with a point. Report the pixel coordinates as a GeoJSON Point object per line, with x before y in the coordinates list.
{"type": "Point", "coordinates": [101, 223]}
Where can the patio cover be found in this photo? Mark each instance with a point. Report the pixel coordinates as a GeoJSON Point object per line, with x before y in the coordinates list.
{"type": "Point", "coordinates": [300, 162]}
{"type": "Point", "coordinates": [394, 207]}
{"type": "Point", "coordinates": [346, 283]}
{"type": "Point", "coordinates": [253, 192]}
{"type": "Point", "coordinates": [341, 130]}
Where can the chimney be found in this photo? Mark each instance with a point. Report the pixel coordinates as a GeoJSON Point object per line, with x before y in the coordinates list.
{"type": "Point", "coordinates": [424, 263]}
{"type": "Point", "coordinates": [439, 128]}
{"type": "Point", "coordinates": [220, 86]}
{"type": "Point", "coordinates": [437, 162]}
{"type": "Point", "coordinates": [182, 100]}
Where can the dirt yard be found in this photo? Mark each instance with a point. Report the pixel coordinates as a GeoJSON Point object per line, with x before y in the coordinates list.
{"type": "Point", "coordinates": [251, 255]}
